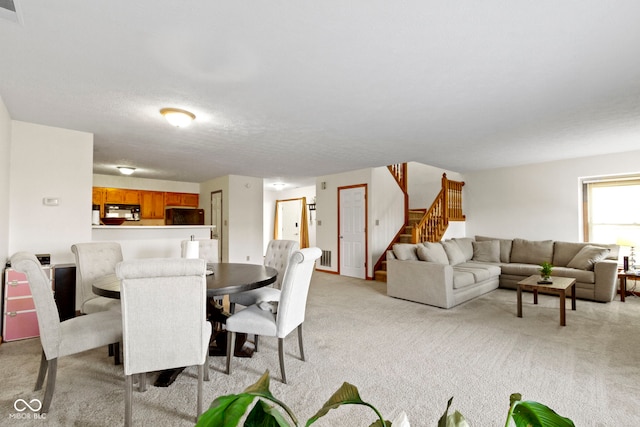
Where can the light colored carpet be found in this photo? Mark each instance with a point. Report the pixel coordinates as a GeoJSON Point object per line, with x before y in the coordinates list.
{"type": "Point", "coordinates": [401, 356]}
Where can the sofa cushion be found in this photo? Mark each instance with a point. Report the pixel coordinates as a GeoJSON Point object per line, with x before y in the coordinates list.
{"type": "Point", "coordinates": [432, 252]}
{"type": "Point", "coordinates": [488, 251]}
{"type": "Point", "coordinates": [518, 269]}
{"type": "Point", "coordinates": [493, 269]}
{"type": "Point", "coordinates": [479, 274]}
{"type": "Point", "coordinates": [582, 276]}
{"type": "Point", "coordinates": [466, 246]}
{"type": "Point", "coordinates": [462, 279]}
{"type": "Point", "coordinates": [587, 257]}
{"type": "Point", "coordinates": [505, 247]}
{"type": "Point", "coordinates": [405, 251]}
{"type": "Point", "coordinates": [454, 253]}
{"type": "Point", "coordinates": [531, 251]}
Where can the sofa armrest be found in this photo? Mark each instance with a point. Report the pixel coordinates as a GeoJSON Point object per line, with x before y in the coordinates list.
{"type": "Point", "coordinates": [421, 281]}
{"type": "Point", "coordinates": [606, 272]}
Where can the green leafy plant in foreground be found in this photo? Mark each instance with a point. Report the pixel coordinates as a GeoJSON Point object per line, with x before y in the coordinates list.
{"type": "Point", "coordinates": [228, 411]}
{"type": "Point", "coordinates": [545, 269]}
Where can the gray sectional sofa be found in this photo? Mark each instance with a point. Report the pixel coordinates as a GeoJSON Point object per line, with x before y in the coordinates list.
{"type": "Point", "coordinates": [448, 273]}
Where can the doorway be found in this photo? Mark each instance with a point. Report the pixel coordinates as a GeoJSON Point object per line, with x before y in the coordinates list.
{"type": "Point", "coordinates": [291, 221]}
{"type": "Point", "coordinates": [217, 220]}
{"type": "Point", "coordinates": [352, 229]}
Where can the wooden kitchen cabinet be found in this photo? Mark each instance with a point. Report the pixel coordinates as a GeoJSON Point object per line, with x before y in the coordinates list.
{"type": "Point", "coordinates": [151, 205]}
{"type": "Point", "coordinates": [97, 198]}
{"type": "Point", "coordinates": [122, 196]}
{"type": "Point", "coordinates": [182, 199]}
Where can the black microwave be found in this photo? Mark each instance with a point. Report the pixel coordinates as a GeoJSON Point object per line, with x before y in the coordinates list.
{"type": "Point", "coordinates": [182, 216]}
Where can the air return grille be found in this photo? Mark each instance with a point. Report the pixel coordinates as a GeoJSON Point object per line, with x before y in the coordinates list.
{"type": "Point", "coordinates": [325, 258]}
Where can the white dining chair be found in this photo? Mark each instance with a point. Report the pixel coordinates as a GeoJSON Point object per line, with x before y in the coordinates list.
{"type": "Point", "coordinates": [65, 338]}
{"type": "Point", "coordinates": [95, 260]}
{"type": "Point", "coordinates": [277, 256]}
{"type": "Point", "coordinates": [164, 322]}
{"type": "Point", "coordinates": [291, 308]}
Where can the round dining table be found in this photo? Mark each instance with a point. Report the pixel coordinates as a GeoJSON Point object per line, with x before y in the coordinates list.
{"type": "Point", "coordinates": [222, 279]}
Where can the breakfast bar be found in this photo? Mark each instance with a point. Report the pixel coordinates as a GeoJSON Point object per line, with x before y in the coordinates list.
{"type": "Point", "coordinates": [149, 241]}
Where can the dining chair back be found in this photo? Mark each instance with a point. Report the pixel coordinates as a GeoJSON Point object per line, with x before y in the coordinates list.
{"type": "Point", "coordinates": [93, 261]}
{"type": "Point", "coordinates": [290, 313]}
{"type": "Point", "coordinates": [277, 256]}
{"type": "Point", "coordinates": [164, 322]}
{"type": "Point", "coordinates": [208, 249]}
{"type": "Point", "coordinates": [64, 338]}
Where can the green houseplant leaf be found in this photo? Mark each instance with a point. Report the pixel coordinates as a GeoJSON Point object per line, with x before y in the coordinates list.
{"type": "Point", "coordinates": [226, 411]}
{"type": "Point", "coordinates": [534, 414]}
{"type": "Point", "coordinates": [263, 415]}
{"type": "Point", "coordinates": [347, 394]}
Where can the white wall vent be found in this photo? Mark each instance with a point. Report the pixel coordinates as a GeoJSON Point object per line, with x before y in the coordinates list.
{"type": "Point", "coordinates": [325, 258]}
{"type": "Point", "coordinates": [10, 10]}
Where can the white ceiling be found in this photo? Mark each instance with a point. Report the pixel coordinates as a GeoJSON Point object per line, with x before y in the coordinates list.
{"type": "Point", "coordinates": [288, 90]}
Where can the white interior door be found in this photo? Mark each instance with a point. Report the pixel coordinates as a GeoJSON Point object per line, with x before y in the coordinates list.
{"type": "Point", "coordinates": [353, 232]}
{"type": "Point", "coordinates": [290, 220]}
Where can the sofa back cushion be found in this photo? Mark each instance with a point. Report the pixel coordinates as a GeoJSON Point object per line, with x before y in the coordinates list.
{"type": "Point", "coordinates": [531, 251]}
{"type": "Point", "coordinates": [466, 246]}
{"type": "Point", "coordinates": [487, 251]}
{"type": "Point", "coordinates": [505, 247]}
{"type": "Point", "coordinates": [405, 251]}
{"type": "Point", "coordinates": [453, 251]}
{"type": "Point", "coordinates": [432, 252]}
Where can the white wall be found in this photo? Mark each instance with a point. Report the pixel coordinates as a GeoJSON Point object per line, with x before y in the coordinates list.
{"type": "Point", "coordinates": [386, 213]}
{"type": "Point", "coordinates": [269, 209]}
{"type": "Point", "coordinates": [540, 201]}
{"type": "Point", "coordinates": [136, 183]}
{"type": "Point", "coordinates": [5, 145]}
{"type": "Point", "coordinates": [425, 182]}
{"type": "Point", "coordinates": [245, 219]}
{"type": "Point", "coordinates": [55, 163]}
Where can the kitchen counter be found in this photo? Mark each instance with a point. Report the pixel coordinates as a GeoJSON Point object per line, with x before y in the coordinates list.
{"type": "Point", "coordinates": [149, 241]}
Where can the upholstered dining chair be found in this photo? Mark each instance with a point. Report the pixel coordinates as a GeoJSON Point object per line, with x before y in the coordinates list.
{"type": "Point", "coordinates": [65, 338]}
{"type": "Point", "coordinates": [93, 261]}
{"type": "Point", "coordinates": [290, 311]}
{"type": "Point", "coordinates": [164, 322]}
{"type": "Point", "coordinates": [277, 256]}
{"type": "Point", "coordinates": [208, 249]}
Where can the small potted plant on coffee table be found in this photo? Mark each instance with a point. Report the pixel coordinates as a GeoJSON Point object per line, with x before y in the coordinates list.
{"type": "Point", "coordinates": [545, 273]}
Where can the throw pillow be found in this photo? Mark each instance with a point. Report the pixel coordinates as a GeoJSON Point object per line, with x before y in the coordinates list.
{"type": "Point", "coordinates": [453, 251]}
{"type": "Point", "coordinates": [405, 251]}
{"type": "Point", "coordinates": [587, 257]}
{"type": "Point", "coordinates": [505, 247]}
{"type": "Point", "coordinates": [432, 252]}
{"type": "Point", "coordinates": [486, 251]}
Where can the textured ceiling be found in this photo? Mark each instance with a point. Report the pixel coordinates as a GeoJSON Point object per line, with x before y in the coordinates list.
{"type": "Point", "coordinates": [289, 90]}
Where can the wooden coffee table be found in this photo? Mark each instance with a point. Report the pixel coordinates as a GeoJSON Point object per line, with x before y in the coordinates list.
{"type": "Point", "coordinates": [559, 286]}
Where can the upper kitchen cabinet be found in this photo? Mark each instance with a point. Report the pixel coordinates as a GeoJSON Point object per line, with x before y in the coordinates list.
{"type": "Point", "coordinates": [182, 199]}
{"type": "Point", "coordinates": [151, 204]}
{"type": "Point", "coordinates": [122, 196]}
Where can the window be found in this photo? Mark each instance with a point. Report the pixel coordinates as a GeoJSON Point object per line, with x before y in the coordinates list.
{"type": "Point", "coordinates": [612, 211]}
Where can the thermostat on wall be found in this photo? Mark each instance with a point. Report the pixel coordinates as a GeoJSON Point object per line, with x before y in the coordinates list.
{"type": "Point", "coordinates": [51, 201]}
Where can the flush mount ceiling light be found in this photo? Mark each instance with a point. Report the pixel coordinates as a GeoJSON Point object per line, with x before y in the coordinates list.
{"type": "Point", "coordinates": [279, 185]}
{"type": "Point", "coordinates": [177, 117]}
{"type": "Point", "coordinates": [125, 170]}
